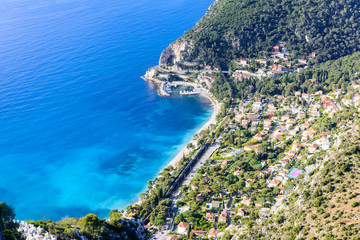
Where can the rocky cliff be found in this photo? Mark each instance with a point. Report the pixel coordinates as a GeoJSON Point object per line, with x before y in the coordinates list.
{"type": "Point", "coordinates": [176, 52]}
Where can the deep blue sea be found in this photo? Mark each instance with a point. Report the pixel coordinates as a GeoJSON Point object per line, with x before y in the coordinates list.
{"type": "Point", "coordinates": [80, 131]}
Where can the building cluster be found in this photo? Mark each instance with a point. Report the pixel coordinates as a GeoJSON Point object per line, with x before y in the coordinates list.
{"type": "Point", "coordinates": [298, 125]}
{"type": "Point", "coordinates": [277, 62]}
{"type": "Point", "coordinates": [207, 80]}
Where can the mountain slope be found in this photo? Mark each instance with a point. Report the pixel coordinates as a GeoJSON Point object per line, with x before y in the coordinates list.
{"type": "Point", "coordinates": [324, 204]}
{"type": "Point", "coordinates": [243, 28]}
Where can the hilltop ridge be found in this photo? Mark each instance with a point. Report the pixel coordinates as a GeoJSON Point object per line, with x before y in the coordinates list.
{"type": "Point", "coordinates": [242, 28]}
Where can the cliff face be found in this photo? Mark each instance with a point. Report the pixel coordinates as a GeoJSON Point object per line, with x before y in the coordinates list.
{"type": "Point", "coordinates": [174, 53]}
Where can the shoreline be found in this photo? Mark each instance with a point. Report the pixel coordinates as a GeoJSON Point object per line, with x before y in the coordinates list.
{"type": "Point", "coordinates": [204, 93]}
{"type": "Point", "coordinates": [216, 109]}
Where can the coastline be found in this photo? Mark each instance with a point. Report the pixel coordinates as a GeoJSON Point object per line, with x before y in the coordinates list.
{"type": "Point", "coordinates": [216, 108]}
{"type": "Point", "coordinates": [204, 93]}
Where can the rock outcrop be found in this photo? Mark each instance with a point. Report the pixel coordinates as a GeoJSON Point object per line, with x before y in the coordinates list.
{"type": "Point", "coordinates": [134, 229]}
{"type": "Point", "coordinates": [176, 52]}
{"type": "Point", "coordinates": [30, 232]}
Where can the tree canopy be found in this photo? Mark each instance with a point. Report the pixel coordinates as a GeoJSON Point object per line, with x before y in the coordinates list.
{"type": "Point", "coordinates": [245, 28]}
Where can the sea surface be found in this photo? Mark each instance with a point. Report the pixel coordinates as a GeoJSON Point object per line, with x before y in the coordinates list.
{"type": "Point", "coordinates": [80, 131]}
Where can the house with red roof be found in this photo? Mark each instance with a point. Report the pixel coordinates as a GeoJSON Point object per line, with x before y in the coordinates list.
{"type": "Point", "coordinates": [210, 216]}
{"type": "Point", "coordinates": [273, 168]}
{"type": "Point", "coordinates": [276, 137]}
{"type": "Point", "coordinates": [213, 233]}
{"type": "Point", "coordinates": [241, 212]}
{"type": "Point", "coordinates": [291, 153]}
{"type": "Point", "coordinates": [251, 147]}
{"type": "Point", "coordinates": [284, 161]}
{"type": "Point", "coordinates": [282, 173]}
{"type": "Point", "coordinates": [223, 218]}
{"type": "Point", "coordinates": [199, 233]}
{"type": "Point", "coordinates": [302, 61]}
{"type": "Point", "coordinates": [274, 183]}
{"type": "Point", "coordinates": [182, 227]}
{"type": "Point", "coordinates": [296, 147]}
{"type": "Point", "coordinates": [257, 137]}
{"type": "Point", "coordinates": [244, 62]}
{"type": "Point", "coordinates": [313, 148]}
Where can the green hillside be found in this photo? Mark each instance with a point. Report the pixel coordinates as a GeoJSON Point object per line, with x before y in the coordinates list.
{"type": "Point", "coordinates": [328, 76]}
{"type": "Point", "coordinates": [324, 204]}
{"type": "Point", "coordinates": [244, 28]}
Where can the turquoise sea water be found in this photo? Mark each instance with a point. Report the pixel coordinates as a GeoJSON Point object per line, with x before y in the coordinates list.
{"type": "Point", "coordinates": [80, 132]}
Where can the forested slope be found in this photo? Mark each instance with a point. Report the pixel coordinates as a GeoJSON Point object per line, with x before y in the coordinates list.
{"type": "Point", "coordinates": [326, 77]}
{"type": "Point", "coordinates": [244, 28]}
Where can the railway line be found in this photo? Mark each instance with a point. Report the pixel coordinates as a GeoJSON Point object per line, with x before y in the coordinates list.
{"type": "Point", "coordinates": [187, 169]}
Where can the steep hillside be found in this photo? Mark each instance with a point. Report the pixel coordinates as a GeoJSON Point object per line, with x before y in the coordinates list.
{"type": "Point", "coordinates": [330, 75]}
{"type": "Point", "coordinates": [244, 28]}
{"type": "Point", "coordinates": [323, 204]}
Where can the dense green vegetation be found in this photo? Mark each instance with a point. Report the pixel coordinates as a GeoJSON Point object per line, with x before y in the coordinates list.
{"type": "Point", "coordinates": [324, 204]}
{"type": "Point", "coordinates": [7, 225]}
{"type": "Point", "coordinates": [221, 88]}
{"type": "Point", "coordinates": [326, 77]}
{"type": "Point", "coordinates": [245, 28]}
{"type": "Point", "coordinates": [89, 226]}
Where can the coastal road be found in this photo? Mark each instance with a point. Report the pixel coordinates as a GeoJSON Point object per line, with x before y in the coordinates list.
{"type": "Point", "coordinates": [183, 72]}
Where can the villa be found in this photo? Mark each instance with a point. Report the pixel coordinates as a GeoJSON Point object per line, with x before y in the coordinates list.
{"type": "Point", "coordinates": [246, 201]}
{"type": "Point", "coordinates": [213, 233]}
{"type": "Point", "coordinates": [241, 212]}
{"type": "Point", "coordinates": [274, 183]}
{"type": "Point", "coordinates": [223, 217]}
{"type": "Point", "coordinates": [182, 227]}
{"type": "Point", "coordinates": [213, 204]}
{"type": "Point", "coordinates": [210, 216]}
{"type": "Point", "coordinates": [199, 233]}
{"type": "Point", "coordinates": [313, 148]}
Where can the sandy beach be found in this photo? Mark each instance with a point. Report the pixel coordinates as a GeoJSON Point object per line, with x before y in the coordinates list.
{"type": "Point", "coordinates": [216, 108]}
{"type": "Point", "coordinates": [204, 93]}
